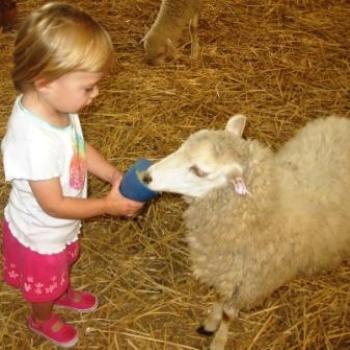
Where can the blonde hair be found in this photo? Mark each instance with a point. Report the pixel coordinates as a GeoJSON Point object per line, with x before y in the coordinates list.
{"type": "Point", "coordinates": [58, 39]}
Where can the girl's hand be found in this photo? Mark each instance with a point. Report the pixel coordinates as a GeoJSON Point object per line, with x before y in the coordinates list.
{"type": "Point", "coordinates": [117, 204]}
{"type": "Point", "coordinates": [116, 176]}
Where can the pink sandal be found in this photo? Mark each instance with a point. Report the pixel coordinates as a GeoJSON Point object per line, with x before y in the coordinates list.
{"type": "Point", "coordinates": [54, 329]}
{"type": "Point", "coordinates": [79, 301]}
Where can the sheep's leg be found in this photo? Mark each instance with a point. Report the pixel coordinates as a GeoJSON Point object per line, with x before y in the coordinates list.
{"type": "Point", "coordinates": [194, 36]}
{"type": "Point", "coordinates": [221, 335]}
{"type": "Point", "coordinates": [211, 324]}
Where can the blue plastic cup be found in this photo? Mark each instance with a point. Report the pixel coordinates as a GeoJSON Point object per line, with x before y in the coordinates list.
{"type": "Point", "coordinates": [131, 185]}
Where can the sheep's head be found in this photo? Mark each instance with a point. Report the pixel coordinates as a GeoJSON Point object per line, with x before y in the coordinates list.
{"type": "Point", "coordinates": [206, 160]}
{"type": "Point", "coordinates": [159, 49]}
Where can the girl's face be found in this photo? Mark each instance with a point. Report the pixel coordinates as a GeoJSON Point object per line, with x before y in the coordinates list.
{"type": "Point", "coordinates": [72, 91]}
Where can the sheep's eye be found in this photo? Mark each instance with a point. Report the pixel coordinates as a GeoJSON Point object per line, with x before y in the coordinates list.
{"type": "Point", "coordinates": [197, 171]}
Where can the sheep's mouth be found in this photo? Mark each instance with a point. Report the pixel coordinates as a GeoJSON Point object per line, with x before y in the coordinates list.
{"type": "Point", "coordinates": [145, 177]}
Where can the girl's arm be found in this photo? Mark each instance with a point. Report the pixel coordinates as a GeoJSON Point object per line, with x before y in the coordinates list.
{"type": "Point", "coordinates": [99, 166]}
{"type": "Point", "coordinates": [49, 195]}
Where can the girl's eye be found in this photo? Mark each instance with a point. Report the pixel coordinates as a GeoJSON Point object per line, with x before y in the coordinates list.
{"type": "Point", "coordinates": [198, 172]}
{"type": "Point", "coordinates": [89, 89]}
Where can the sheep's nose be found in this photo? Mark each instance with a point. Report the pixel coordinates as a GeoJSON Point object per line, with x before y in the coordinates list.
{"type": "Point", "coordinates": [146, 177]}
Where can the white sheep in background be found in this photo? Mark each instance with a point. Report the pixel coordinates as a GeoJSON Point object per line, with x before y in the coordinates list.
{"type": "Point", "coordinates": [257, 219]}
{"type": "Point", "coordinates": [161, 40]}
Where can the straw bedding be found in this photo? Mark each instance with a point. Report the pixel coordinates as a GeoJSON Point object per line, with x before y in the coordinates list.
{"type": "Point", "coordinates": [281, 63]}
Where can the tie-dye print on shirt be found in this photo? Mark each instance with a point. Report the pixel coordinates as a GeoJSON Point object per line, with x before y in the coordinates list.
{"type": "Point", "coordinates": [78, 165]}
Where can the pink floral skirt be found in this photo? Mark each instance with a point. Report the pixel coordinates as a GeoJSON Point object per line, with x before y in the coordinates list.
{"type": "Point", "coordinates": [40, 277]}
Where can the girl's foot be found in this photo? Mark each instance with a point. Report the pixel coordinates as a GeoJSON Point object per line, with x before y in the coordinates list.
{"type": "Point", "coordinates": [54, 329]}
{"type": "Point", "coordinates": [79, 301]}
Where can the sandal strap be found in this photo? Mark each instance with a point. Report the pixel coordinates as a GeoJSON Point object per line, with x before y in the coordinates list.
{"type": "Point", "coordinates": [54, 329]}
{"type": "Point", "coordinates": [81, 301]}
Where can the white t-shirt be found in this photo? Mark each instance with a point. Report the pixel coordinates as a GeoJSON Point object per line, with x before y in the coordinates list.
{"type": "Point", "coordinates": [35, 150]}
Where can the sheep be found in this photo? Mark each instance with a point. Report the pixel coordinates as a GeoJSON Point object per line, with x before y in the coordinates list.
{"type": "Point", "coordinates": [161, 40]}
{"type": "Point", "coordinates": [256, 218]}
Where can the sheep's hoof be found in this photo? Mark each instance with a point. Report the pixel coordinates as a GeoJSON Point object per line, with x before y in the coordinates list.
{"type": "Point", "coordinates": [201, 330]}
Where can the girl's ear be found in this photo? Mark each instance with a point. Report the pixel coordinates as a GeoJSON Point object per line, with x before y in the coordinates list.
{"type": "Point", "coordinates": [41, 84]}
{"type": "Point", "coordinates": [236, 125]}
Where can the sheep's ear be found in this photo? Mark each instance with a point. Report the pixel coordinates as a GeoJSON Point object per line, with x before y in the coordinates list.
{"type": "Point", "coordinates": [236, 125]}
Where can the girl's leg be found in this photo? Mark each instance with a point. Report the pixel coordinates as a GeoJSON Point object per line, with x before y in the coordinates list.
{"type": "Point", "coordinates": [42, 311]}
{"type": "Point", "coordinates": [49, 325]}
{"type": "Point", "coordinates": [46, 277]}
{"type": "Point", "coordinates": [81, 301]}
{"type": "Point", "coordinates": [73, 299]}
{"type": "Point", "coordinates": [39, 275]}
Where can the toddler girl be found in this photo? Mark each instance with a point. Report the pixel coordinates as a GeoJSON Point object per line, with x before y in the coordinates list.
{"type": "Point", "coordinates": [60, 55]}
